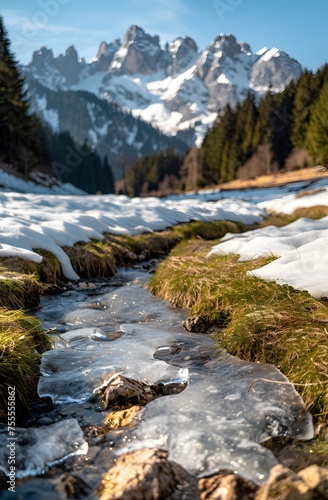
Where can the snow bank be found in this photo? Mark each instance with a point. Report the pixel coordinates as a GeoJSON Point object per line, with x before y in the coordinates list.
{"type": "Point", "coordinates": [29, 222]}
{"type": "Point", "coordinates": [12, 183]}
{"type": "Point", "coordinates": [288, 204]}
{"type": "Point", "coordinates": [300, 248]}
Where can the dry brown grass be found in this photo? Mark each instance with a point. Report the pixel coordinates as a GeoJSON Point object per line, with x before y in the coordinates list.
{"type": "Point", "coordinates": [92, 260]}
{"type": "Point", "coordinates": [277, 179]}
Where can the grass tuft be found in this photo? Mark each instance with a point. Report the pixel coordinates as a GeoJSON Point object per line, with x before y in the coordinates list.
{"type": "Point", "coordinates": [92, 260]}
{"type": "Point", "coordinates": [262, 320]}
{"type": "Point", "coordinates": [22, 342]}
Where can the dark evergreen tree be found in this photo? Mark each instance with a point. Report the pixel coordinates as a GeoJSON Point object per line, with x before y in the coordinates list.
{"type": "Point", "coordinates": [305, 94]}
{"type": "Point", "coordinates": [20, 131]}
{"type": "Point", "coordinates": [149, 172]}
{"type": "Point", "coordinates": [281, 124]}
{"type": "Point", "coordinates": [80, 166]}
{"type": "Point", "coordinates": [108, 177]}
{"type": "Point", "coordinates": [317, 133]}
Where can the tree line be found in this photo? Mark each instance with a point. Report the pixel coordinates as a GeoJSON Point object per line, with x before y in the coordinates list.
{"type": "Point", "coordinates": [283, 131]}
{"type": "Point", "coordinates": [28, 146]}
{"type": "Point", "coordinates": [21, 133]}
{"type": "Point", "coordinates": [288, 131]}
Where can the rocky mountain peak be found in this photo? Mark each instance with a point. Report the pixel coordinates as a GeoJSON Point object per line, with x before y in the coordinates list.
{"type": "Point", "coordinates": [105, 55]}
{"type": "Point", "coordinates": [107, 49]}
{"type": "Point", "coordinates": [42, 56]}
{"type": "Point", "coordinates": [71, 53]}
{"type": "Point", "coordinates": [135, 34]}
{"type": "Point", "coordinates": [273, 70]}
{"type": "Point", "coordinates": [226, 46]}
{"type": "Point", "coordinates": [139, 53]}
{"type": "Point", "coordinates": [69, 65]}
{"type": "Point", "coordinates": [177, 89]}
{"type": "Point", "coordinates": [180, 54]}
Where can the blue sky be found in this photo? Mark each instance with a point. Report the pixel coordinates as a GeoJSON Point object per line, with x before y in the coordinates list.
{"type": "Point", "coordinates": [297, 26]}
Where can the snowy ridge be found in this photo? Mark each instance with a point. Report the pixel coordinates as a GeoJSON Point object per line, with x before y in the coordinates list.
{"type": "Point", "coordinates": [175, 87]}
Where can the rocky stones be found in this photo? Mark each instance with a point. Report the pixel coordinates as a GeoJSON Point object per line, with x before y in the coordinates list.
{"type": "Point", "coordinates": [122, 392]}
{"type": "Point", "coordinates": [226, 486]}
{"type": "Point", "coordinates": [147, 474]}
{"type": "Point", "coordinates": [71, 486]}
{"type": "Point", "coordinates": [196, 324]}
{"type": "Point", "coordinates": [121, 418]}
{"type": "Point", "coordinates": [284, 484]}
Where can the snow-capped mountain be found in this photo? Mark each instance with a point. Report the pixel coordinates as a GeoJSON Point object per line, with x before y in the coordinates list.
{"type": "Point", "coordinates": [175, 87]}
{"type": "Point", "coordinates": [101, 124]}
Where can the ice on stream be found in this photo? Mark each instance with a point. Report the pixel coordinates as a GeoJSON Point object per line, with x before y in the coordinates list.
{"type": "Point", "coordinates": [222, 416]}
{"type": "Point", "coordinates": [74, 373]}
{"type": "Point", "coordinates": [228, 408]}
{"type": "Point", "coordinates": [35, 450]}
{"type": "Point", "coordinates": [85, 357]}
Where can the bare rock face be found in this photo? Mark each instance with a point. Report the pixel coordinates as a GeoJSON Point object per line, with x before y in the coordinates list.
{"type": "Point", "coordinates": [284, 484]}
{"type": "Point", "coordinates": [139, 53]}
{"type": "Point", "coordinates": [147, 474]}
{"type": "Point", "coordinates": [196, 324]}
{"type": "Point", "coordinates": [121, 418]}
{"type": "Point", "coordinates": [226, 486]}
{"type": "Point", "coordinates": [122, 392]}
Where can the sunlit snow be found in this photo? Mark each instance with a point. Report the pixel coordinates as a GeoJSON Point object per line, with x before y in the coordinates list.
{"type": "Point", "coordinates": [300, 247]}
{"type": "Point", "coordinates": [30, 222]}
{"type": "Point", "coordinates": [35, 221]}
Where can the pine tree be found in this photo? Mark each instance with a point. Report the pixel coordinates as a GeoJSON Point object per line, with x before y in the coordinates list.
{"type": "Point", "coordinates": [281, 124]}
{"type": "Point", "coordinates": [108, 177]}
{"type": "Point", "coordinates": [251, 115]}
{"type": "Point", "coordinates": [20, 132]}
{"type": "Point", "coordinates": [317, 133]}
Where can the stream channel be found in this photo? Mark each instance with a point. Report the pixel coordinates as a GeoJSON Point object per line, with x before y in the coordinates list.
{"type": "Point", "coordinates": [215, 412]}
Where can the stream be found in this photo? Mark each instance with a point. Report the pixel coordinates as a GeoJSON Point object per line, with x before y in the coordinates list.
{"type": "Point", "coordinates": [215, 411]}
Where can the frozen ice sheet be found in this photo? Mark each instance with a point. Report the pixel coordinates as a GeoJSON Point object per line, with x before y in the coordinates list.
{"type": "Point", "coordinates": [219, 420]}
{"type": "Point", "coordinates": [36, 449]}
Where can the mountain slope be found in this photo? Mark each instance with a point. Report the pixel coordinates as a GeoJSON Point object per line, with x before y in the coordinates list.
{"type": "Point", "coordinates": [174, 88]}
{"type": "Point", "coordinates": [101, 124]}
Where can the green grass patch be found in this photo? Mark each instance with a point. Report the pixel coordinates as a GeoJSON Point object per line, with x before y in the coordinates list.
{"type": "Point", "coordinates": [209, 230]}
{"type": "Point", "coordinates": [262, 320]}
{"type": "Point", "coordinates": [92, 260]}
{"type": "Point", "coordinates": [22, 342]}
{"type": "Point", "coordinates": [19, 285]}
{"type": "Point", "coordinates": [143, 246]}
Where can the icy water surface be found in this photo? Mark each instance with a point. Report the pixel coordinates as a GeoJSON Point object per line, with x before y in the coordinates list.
{"type": "Point", "coordinates": [218, 420]}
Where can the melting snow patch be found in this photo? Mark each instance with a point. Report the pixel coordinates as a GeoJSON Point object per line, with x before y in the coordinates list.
{"type": "Point", "coordinates": [300, 248]}
{"type": "Point", "coordinates": [31, 222]}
